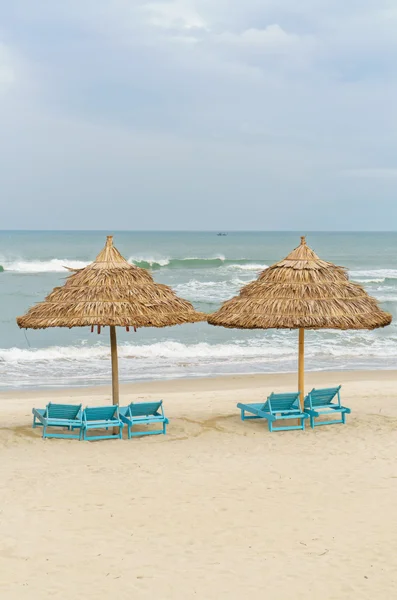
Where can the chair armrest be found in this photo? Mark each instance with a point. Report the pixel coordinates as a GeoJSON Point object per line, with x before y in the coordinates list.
{"type": "Point", "coordinates": [311, 412]}
{"type": "Point", "coordinates": [266, 415]}
{"type": "Point", "coordinates": [39, 414]}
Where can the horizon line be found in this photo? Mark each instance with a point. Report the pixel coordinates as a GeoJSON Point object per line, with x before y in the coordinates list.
{"type": "Point", "coordinates": [199, 230]}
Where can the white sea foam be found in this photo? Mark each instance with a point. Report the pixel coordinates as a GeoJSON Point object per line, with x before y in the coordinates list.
{"type": "Point", "coordinates": [361, 280]}
{"type": "Point", "coordinates": [53, 353]}
{"type": "Point", "coordinates": [373, 275]}
{"type": "Point", "coordinates": [188, 262]}
{"type": "Point", "coordinates": [55, 265]}
{"type": "Point", "coordinates": [159, 350]}
{"type": "Point", "coordinates": [386, 298]}
{"type": "Point", "coordinates": [247, 267]}
{"type": "Point", "coordinates": [275, 351]}
{"type": "Point", "coordinates": [273, 345]}
{"type": "Point", "coordinates": [209, 291]}
{"type": "Point", "coordinates": [149, 260]}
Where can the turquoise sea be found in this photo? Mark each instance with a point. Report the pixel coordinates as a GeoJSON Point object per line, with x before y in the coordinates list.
{"type": "Point", "coordinates": [204, 268]}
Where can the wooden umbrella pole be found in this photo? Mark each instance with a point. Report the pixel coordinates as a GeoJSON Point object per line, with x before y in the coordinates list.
{"type": "Point", "coordinates": [301, 367]}
{"type": "Point", "coordinates": [115, 365]}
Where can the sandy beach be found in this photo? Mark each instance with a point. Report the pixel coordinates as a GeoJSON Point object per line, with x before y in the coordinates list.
{"type": "Point", "coordinates": [218, 508]}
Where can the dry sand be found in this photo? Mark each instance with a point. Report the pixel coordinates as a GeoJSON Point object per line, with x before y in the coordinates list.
{"type": "Point", "coordinates": [216, 509]}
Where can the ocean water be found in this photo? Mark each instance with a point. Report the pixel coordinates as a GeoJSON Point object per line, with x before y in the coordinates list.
{"type": "Point", "coordinates": [203, 268]}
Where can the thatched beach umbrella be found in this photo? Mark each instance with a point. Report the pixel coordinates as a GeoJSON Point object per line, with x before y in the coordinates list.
{"type": "Point", "coordinates": [110, 292]}
{"type": "Point", "coordinates": [301, 292]}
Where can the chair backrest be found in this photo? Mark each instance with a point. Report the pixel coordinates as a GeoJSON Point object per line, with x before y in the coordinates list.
{"type": "Point", "coordinates": [283, 402]}
{"type": "Point", "coordinates": [62, 411]}
{"type": "Point", "coordinates": [100, 413]}
{"type": "Point", "coordinates": [141, 409]}
{"type": "Point", "coordinates": [322, 397]}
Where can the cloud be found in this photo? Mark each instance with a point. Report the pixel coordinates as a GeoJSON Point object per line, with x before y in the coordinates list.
{"type": "Point", "coordinates": [265, 100]}
{"type": "Point", "coordinates": [273, 37]}
{"type": "Point", "coordinates": [372, 173]}
{"type": "Point", "coordinates": [7, 67]}
{"type": "Point", "coordinates": [178, 14]}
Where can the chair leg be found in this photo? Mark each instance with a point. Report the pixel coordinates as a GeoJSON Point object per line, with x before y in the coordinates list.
{"type": "Point", "coordinates": [164, 428]}
{"type": "Point", "coordinates": [44, 430]}
{"type": "Point", "coordinates": [270, 425]}
{"type": "Point", "coordinates": [242, 414]}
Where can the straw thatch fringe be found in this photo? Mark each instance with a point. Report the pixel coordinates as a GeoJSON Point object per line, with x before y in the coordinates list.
{"type": "Point", "coordinates": [110, 291]}
{"type": "Point", "coordinates": [301, 291]}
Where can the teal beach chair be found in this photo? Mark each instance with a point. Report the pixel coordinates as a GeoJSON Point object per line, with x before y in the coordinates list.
{"type": "Point", "coordinates": [67, 416]}
{"type": "Point", "coordinates": [101, 417]}
{"type": "Point", "coordinates": [277, 407]}
{"type": "Point", "coordinates": [320, 402]}
{"type": "Point", "coordinates": [144, 413]}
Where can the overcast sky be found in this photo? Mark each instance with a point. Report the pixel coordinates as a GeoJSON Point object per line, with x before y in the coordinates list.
{"type": "Point", "coordinates": [198, 114]}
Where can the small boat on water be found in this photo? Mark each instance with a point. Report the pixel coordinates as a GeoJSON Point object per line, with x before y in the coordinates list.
{"type": "Point", "coordinates": [220, 233]}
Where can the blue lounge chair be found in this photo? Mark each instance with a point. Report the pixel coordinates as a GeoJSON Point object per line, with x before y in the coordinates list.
{"type": "Point", "coordinates": [101, 417]}
{"type": "Point", "coordinates": [143, 413]}
{"type": "Point", "coordinates": [319, 402]}
{"type": "Point", "coordinates": [68, 416]}
{"type": "Point", "coordinates": [276, 408]}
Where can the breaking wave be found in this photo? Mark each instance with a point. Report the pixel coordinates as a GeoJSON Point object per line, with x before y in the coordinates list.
{"type": "Point", "coordinates": [209, 291]}
{"type": "Point", "coordinates": [374, 275]}
{"type": "Point", "coordinates": [58, 265]}
{"type": "Point", "coordinates": [197, 263]}
{"type": "Point", "coordinates": [55, 265]}
{"type": "Point", "coordinates": [265, 353]}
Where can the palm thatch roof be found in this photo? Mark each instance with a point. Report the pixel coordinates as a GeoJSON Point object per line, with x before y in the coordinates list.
{"type": "Point", "coordinates": [110, 291]}
{"type": "Point", "coordinates": [302, 291]}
